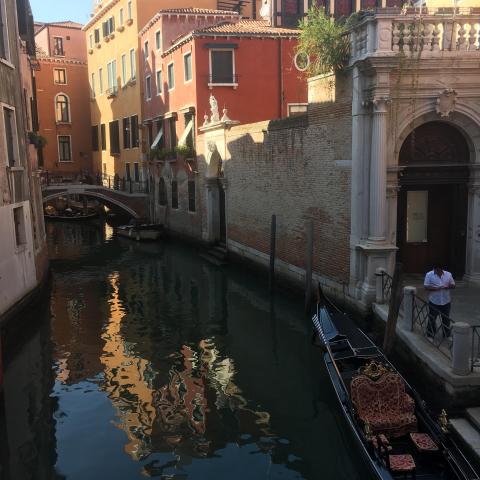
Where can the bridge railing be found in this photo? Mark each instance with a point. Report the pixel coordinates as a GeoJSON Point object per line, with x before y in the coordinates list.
{"type": "Point", "coordinates": [122, 184]}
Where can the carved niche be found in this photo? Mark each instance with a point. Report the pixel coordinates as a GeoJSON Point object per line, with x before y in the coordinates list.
{"type": "Point", "coordinates": [446, 102]}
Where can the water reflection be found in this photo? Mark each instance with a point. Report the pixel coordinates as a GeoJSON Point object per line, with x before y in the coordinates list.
{"type": "Point", "coordinates": [161, 365]}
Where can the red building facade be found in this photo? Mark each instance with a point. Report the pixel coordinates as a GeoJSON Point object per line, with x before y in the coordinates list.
{"type": "Point", "coordinates": [63, 92]}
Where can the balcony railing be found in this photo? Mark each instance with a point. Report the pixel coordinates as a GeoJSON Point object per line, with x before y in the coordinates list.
{"type": "Point", "coordinates": [414, 32]}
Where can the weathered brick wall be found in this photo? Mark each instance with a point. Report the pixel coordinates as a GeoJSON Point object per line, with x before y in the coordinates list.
{"type": "Point", "coordinates": [299, 170]}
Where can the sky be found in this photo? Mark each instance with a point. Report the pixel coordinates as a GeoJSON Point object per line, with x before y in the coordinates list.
{"type": "Point", "coordinates": [61, 10]}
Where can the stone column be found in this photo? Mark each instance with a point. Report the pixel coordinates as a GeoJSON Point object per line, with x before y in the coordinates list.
{"type": "Point", "coordinates": [406, 322]}
{"type": "Point", "coordinates": [472, 271]}
{"type": "Point", "coordinates": [378, 172]}
{"type": "Point", "coordinates": [462, 346]}
{"type": "Point", "coordinates": [211, 187]}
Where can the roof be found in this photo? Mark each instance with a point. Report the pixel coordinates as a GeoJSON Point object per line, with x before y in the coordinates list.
{"type": "Point", "coordinates": [249, 27]}
{"type": "Point", "coordinates": [243, 28]}
{"type": "Point", "coordinates": [100, 13]}
{"type": "Point", "coordinates": [186, 11]}
{"type": "Point", "coordinates": [39, 26]}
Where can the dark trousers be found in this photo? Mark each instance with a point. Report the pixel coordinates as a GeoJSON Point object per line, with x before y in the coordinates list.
{"type": "Point", "coordinates": [433, 312]}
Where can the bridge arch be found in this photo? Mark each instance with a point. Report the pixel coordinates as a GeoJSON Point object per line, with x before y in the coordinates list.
{"type": "Point", "coordinates": [107, 200]}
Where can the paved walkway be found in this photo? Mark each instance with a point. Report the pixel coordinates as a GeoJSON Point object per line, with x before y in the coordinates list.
{"type": "Point", "coordinates": [465, 299]}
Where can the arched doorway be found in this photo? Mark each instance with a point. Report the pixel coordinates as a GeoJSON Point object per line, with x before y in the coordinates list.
{"type": "Point", "coordinates": [433, 199]}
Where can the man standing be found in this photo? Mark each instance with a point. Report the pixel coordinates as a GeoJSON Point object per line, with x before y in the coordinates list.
{"type": "Point", "coordinates": [439, 282]}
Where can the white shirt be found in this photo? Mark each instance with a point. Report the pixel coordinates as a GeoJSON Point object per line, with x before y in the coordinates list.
{"type": "Point", "coordinates": [439, 297]}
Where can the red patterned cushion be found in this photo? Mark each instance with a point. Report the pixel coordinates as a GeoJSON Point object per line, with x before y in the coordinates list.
{"type": "Point", "coordinates": [384, 404]}
{"type": "Point", "coordinates": [401, 463]}
{"type": "Point", "coordinates": [423, 442]}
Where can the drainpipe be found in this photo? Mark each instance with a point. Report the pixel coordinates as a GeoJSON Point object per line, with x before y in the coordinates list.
{"type": "Point", "coordinates": [280, 78]}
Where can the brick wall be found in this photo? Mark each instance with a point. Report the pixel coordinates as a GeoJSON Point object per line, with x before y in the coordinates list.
{"type": "Point", "coordinates": [299, 170]}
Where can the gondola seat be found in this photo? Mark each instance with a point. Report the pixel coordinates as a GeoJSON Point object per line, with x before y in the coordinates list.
{"type": "Point", "coordinates": [384, 404]}
{"type": "Point", "coordinates": [423, 442]}
{"type": "Point", "coordinates": [401, 464]}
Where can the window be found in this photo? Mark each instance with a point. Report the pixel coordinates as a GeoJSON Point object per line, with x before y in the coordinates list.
{"type": "Point", "coordinates": [221, 67]}
{"type": "Point", "coordinates": [121, 17]}
{"type": "Point", "coordinates": [126, 133]}
{"type": "Point", "coordinates": [297, 109]}
{"type": "Point", "coordinates": [172, 132]}
{"type": "Point", "coordinates": [124, 69]}
{"type": "Point", "coordinates": [19, 225]}
{"type": "Point", "coordinates": [191, 196]}
{"type": "Point", "coordinates": [148, 87]}
{"type": "Point", "coordinates": [92, 86]}
{"type": "Point", "coordinates": [417, 216]}
{"type": "Point", "coordinates": [4, 44]}
{"type": "Point", "coordinates": [133, 67]}
{"type": "Point", "coordinates": [162, 192]}
{"type": "Point", "coordinates": [100, 81]}
{"type": "Point", "coordinates": [136, 172]}
{"type": "Point", "coordinates": [11, 137]}
{"type": "Point", "coordinates": [62, 108]}
{"type": "Point", "coordinates": [114, 138]}
{"type": "Point", "coordinates": [108, 27]}
{"type": "Point", "coordinates": [103, 137]}
{"type": "Point", "coordinates": [60, 76]}
{"type": "Point", "coordinates": [64, 148]}
{"type": "Point", "coordinates": [158, 142]}
{"type": "Point", "coordinates": [174, 194]}
{"type": "Point", "coordinates": [301, 61]}
{"type": "Point", "coordinates": [130, 10]}
{"type": "Point", "coordinates": [112, 77]}
{"type": "Point", "coordinates": [171, 76]}
{"type": "Point", "coordinates": [90, 41]}
{"type": "Point", "coordinates": [158, 40]}
{"type": "Point", "coordinates": [95, 145]}
{"type": "Point", "coordinates": [96, 35]}
{"type": "Point", "coordinates": [58, 47]}
{"type": "Point", "coordinates": [134, 126]}
{"type": "Point", "coordinates": [159, 82]}
{"type": "Point", "coordinates": [145, 50]}
{"type": "Point", "coordinates": [127, 171]}
{"type": "Point", "coordinates": [187, 66]}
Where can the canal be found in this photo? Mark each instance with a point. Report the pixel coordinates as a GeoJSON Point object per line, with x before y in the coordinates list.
{"type": "Point", "coordinates": [147, 361]}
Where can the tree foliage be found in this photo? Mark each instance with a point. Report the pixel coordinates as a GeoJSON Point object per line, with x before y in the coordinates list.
{"type": "Point", "coordinates": [324, 41]}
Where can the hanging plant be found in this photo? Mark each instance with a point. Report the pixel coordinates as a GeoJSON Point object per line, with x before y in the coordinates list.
{"type": "Point", "coordinates": [325, 41]}
{"type": "Point", "coordinates": [184, 150]}
{"type": "Point", "coordinates": [37, 140]}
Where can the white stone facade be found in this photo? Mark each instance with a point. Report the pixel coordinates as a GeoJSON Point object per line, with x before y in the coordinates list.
{"type": "Point", "coordinates": [407, 70]}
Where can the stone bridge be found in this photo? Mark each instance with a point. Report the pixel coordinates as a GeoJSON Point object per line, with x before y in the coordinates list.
{"type": "Point", "coordinates": [134, 204]}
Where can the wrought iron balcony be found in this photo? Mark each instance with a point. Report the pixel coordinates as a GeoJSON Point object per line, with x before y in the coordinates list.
{"type": "Point", "coordinates": [414, 32]}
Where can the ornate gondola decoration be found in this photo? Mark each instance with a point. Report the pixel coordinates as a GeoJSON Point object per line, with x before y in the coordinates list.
{"type": "Point", "coordinates": [396, 432]}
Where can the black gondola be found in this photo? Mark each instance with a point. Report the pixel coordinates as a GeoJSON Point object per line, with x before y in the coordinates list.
{"type": "Point", "coordinates": [396, 432]}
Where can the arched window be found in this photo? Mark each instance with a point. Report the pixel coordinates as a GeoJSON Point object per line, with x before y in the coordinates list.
{"type": "Point", "coordinates": [162, 192]}
{"type": "Point", "coordinates": [62, 108]}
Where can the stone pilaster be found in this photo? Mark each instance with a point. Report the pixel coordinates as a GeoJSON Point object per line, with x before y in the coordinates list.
{"type": "Point", "coordinates": [378, 172]}
{"type": "Point", "coordinates": [472, 270]}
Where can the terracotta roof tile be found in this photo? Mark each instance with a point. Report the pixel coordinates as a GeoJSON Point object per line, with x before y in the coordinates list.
{"type": "Point", "coordinates": [198, 11]}
{"type": "Point", "coordinates": [248, 27]}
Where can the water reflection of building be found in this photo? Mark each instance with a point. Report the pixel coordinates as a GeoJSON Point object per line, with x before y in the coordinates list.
{"type": "Point", "coordinates": [168, 387]}
{"type": "Point", "coordinates": [27, 429]}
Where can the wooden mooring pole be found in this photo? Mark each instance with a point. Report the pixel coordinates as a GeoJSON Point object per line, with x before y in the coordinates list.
{"type": "Point", "coordinates": [308, 265]}
{"type": "Point", "coordinates": [393, 309]}
{"type": "Point", "coordinates": [273, 235]}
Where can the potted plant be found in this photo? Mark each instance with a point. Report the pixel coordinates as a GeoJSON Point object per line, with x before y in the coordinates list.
{"type": "Point", "coordinates": [184, 150]}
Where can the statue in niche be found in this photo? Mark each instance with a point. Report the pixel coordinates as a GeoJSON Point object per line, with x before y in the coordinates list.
{"type": "Point", "coordinates": [214, 109]}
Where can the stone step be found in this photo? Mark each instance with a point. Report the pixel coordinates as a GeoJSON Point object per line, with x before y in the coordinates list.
{"type": "Point", "coordinates": [219, 248]}
{"type": "Point", "coordinates": [473, 415]}
{"type": "Point", "coordinates": [468, 434]}
{"type": "Point", "coordinates": [213, 260]}
{"type": "Point", "coordinates": [217, 254]}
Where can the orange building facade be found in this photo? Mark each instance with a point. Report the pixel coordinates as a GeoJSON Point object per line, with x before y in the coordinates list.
{"type": "Point", "coordinates": [63, 93]}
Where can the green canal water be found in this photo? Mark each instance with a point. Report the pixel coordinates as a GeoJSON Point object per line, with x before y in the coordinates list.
{"type": "Point", "coordinates": [147, 361]}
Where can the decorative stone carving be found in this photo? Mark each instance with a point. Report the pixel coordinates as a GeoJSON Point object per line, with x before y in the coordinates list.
{"type": "Point", "coordinates": [205, 120]}
{"type": "Point", "coordinates": [212, 146]}
{"type": "Point", "coordinates": [446, 102]}
{"type": "Point", "coordinates": [381, 103]}
{"type": "Point", "coordinates": [215, 117]}
{"type": "Point", "coordinates": [225, 116]}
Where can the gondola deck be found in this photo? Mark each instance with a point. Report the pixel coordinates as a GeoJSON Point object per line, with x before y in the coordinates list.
{"type": "Point", "coordinates": [348, 349]}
